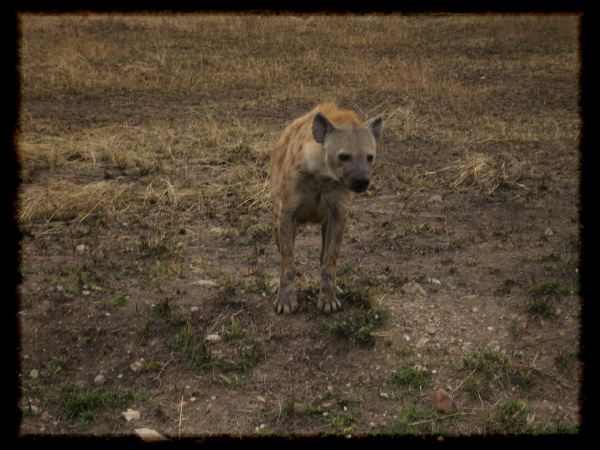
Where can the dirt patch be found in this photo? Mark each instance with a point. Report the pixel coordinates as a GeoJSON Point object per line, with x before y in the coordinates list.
{"type": "Point", "coordinates": [147, 257]}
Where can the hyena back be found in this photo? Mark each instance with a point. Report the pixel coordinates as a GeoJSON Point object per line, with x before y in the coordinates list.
{"type": "Point", "coordinates": [322, 159]}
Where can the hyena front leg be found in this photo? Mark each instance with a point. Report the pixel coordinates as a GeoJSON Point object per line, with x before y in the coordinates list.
{"type": "Point", "coordinates": [331, 232]}
{"type": "Point", "coordinates": [286, 297]}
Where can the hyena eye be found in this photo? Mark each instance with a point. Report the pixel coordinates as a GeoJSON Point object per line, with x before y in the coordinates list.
{"type": "Point", "coordinates": [344, 157]}
{"type": "Point", "coordinates": [370, 158]}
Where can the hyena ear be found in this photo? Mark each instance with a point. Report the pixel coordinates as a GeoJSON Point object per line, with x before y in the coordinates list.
{"type": "Point", "coordinates": [321, 127]}
{"type": "Point", "coordinates": [375, 124]}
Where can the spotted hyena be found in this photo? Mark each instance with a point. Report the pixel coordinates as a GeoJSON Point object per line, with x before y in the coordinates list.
{"type": "Point", "coordinates": [322, 159]}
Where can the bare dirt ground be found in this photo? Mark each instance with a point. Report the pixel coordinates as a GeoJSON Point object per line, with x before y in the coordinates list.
{"type": "Point", "coordinates": [147, 257]}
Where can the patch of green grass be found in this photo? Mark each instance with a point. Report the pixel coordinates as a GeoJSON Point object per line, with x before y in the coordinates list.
{"type": "Point", "coordinates": [90, 405]}
{"type": "Point", "coordinates": [505, 288]}
{"type": "Point", "coordinates": [195, 354]}
{"type": "Point", "coordinates": [559, 427]}
{"type": "Point", "coordinates": [172, 315]}
{"type": "Point", "coordinates": [259, 284]}
{"type": "Point", "coordinates": [190, 344]}
{"type": "Point", "coordinates": [413, 419]}
{"type": "Point", "coordinates": [116, 301]}
{"type": "Point", "coordinates": [356, 328]}
{"type": "Point", "coordinates": [511, 417]}
{"type": "Point", "coordinates": [363, 317]}
{"type": "Point", "coordinates": [290, 408]}
{"type": "Point", "coordinates": [488, 369]}
{"type": "Point", "coordinates": [410, 379]}
{"type": "Point", "coordinates": [342, 422]}
{"type": "Point", "coordinates": [228, 289]}
{"type": "Point", "coordinates": [549, 289]}
{"type": "Point", "coordinates": [150, 366]}
{"type": "Point", "coordinates": [542, 297]}
{"type": "Point", "coordinates": [235, 329]}
{"type": "Point", "coordinates": [565, 361]}
{"type": "Point", "coordinates": [402, 350]}
{"type": "Point", "coordinates": [540, 308]}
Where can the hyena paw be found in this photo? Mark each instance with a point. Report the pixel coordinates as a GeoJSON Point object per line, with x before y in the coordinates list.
{"type": "Point", "coordinates": [328, 304]}
{"type": "Point", "coordinates": [286, 302]}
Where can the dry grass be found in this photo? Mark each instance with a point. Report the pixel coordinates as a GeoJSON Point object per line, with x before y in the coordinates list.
{"type": "Point", "coordinates": [68, 201]}
{"type": "Point", "coordinates": [481, 173]}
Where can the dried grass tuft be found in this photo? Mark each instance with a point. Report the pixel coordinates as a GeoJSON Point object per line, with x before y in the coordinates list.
{"type": "Point", "coordinates": [485, 174]}
{"type": "Point", "coordinates": [67, 201]}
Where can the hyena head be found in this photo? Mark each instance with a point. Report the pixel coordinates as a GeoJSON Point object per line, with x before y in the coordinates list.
{"type": "Point", "coordinates": [349, 149]}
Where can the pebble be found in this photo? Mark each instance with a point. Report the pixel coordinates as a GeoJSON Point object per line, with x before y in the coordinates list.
{"type": "Point", "coordinates": [81, 249]}
{"type": "Point", "coordinates": [442, 401]}
{"type": "Point", "coordinates": [34, 373]}
{"type": "Point", "coordinates": [149, 435]}
{"type": "Point", "coordinates": [131, 414]}
{"type": "Point", "coordinates": [136, 366]}
{"type": "Point", "coordinates": [213, 338]}
{"type": "Point", "coordinates": [99, 379]}
{"type": "Point", "coordinates": [422, 342]}
{"type": "Point", "coordinates": [548, 232]}
{"type": "Point", "coordinates": [194, 309]}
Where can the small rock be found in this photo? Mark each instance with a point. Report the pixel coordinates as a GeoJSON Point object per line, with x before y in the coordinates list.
{"type": "Point", "coordinates": [434, 281]}
{"type": "Point", "coordinates": [442, 401]}
{"type": "Point", "coordinates": [45, 416]}
{"type": "Point", "coordinates": [85, 293]}
{"type": "Point", "coordinates": [131, 414]}
{"type": "Point", "coordinates": [136, 366]}
{"type": "Point", "coordinates": [430, 329]}
{"type": "Point", "coordinates": [149, 435]}
{"type": "Point", "coordinates": [194, 309]}
{"type": "Point", "coordinates": [59, 288]}
{"type": "Point", "coordinates": [81, 249]}
{"type": "Point", "coordinates": [420, 368]}
{"type": "Point", "coordinates": [34, 374]}
{"type": "Point", "coordinates": [34, 409]}
{"type": "Point", "coordinates": [548, 232]}
{"type": "Point", "coordinates": [213, 338]}
{"type": "Point", "coordinates": [414, 288]}
{"type": "Point", "coordinates": [435, 198]}
{"type": "Point", "coordinates": [384, 395]}
{"type": "Point", "coordinates": [99, 379]}
{"type": "Point", "coordinates": [422, 342]}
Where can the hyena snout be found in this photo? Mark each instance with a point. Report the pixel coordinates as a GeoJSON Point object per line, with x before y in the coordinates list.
{"type": "Point", "coordinates": [360, 184]}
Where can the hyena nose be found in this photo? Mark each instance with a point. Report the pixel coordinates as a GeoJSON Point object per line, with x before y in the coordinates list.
{"type": "Point", "coordinates": [360, 184]}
